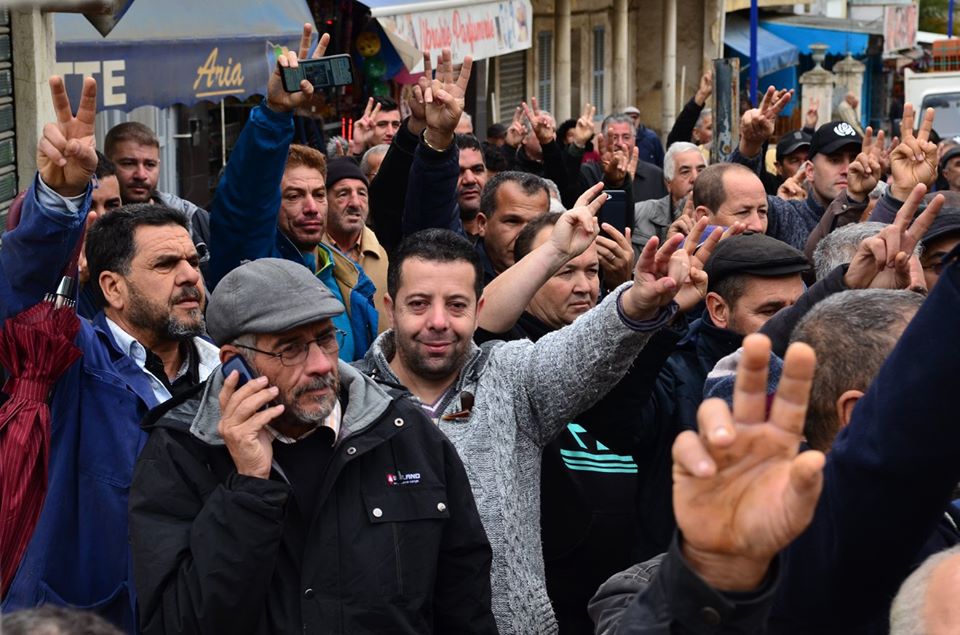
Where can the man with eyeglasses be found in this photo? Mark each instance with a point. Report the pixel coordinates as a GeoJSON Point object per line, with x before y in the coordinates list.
{"type": "Point", "coordinates": [306, 498]}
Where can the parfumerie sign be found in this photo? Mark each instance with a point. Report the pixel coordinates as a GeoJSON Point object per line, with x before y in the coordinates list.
{"type": "Point", "coordinates": [479, 30]}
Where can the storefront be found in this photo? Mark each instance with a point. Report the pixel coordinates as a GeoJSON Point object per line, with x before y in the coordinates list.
{"type": "Point", "coordinates": [189, 70]}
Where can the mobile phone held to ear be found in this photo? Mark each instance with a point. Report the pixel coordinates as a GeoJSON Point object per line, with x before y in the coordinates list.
{"type": "Point", "coordinates": [237, 363]}
{"type": "Point", "coordinates": [614, 211]}
{"type": "Point", "coordinates": [323, 72]}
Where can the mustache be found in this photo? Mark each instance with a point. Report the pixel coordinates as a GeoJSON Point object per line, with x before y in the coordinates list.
{"type": "Point", "coordinates": [318, 383]}
{"type": "Point", "coordinates": [190, 293]}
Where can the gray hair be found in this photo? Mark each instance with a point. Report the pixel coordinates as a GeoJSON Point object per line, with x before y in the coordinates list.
{"type": "Point", "coordinates": [706, 112]}
{"type": "Point", "coordinates": [677, 147]}
{"type": "Point", "coordinates": [906, 613]}
{"type": "Point", "coordinates": [852, 334]}
{"type": "Point", "coordinates": [618, 118]}
{"type": "Point", "coordinates": [552, 188]}
{"type": "Point", "coordinates": [244, 343]}
{"type": "Point", "coordinates": [332, 147]}
{"type": "Point", "coordinates": [837, 247]}
{"type": "Point", "coordinates": [466, 115]}
{"type": "Point", "coordinates": [376, 150]}
{"type": "Point", "coordinates": [55, 620]}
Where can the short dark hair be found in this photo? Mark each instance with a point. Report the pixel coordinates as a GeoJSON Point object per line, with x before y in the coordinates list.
{"type": "Point", "coordinates": [433, 245]}
{"type": "Point", "coordinates": [467, 142]}
{"type": "Point", "coordinates": [525, 239]}
{"type": "Point", "coordinates": [530, 184]}
{"type": "Point", "coordinates": [387, 104]}
{"type": "Point", "coordinates": [129, 131]}
{"type": "Point", "coordinates": [105, 167]}
{"type": "Point", "coordinates": [708, 189]}
{"type": "Point", "coordinates": [852, 333]}
{"type": "Point", "coordinates": [731, 288]}
{"type": "Point", "coordinates": [55, 620]}
{"type": "Point", "coordinates": [564, 128]}
{"type": "Point", "coordinates": [493, 158]}
{"type": "Point", "coordinates": [110, 241]}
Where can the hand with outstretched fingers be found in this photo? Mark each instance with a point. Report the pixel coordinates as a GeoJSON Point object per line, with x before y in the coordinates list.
{"type": "Point", "coordinates": [543, 127]}
{"type": "Point", "coordinates": [660, 272]}
{"type": "Point", "coordinates": [364, 127]}
{"type": "Point", "coordinates": [243, 424]}
{"type": "Point", "coordinates": [758, 124]}
{"type": "Point", "coordinates": [584, 131]}
{"type": "Point", "coordinates": [793, 188]}
{"type": "Point", "coordinates": [444, 99]}
{"type": "Point", "coordinates": [865, 171]}
{"type": "Point", "coordinates": [694, 290]}
{"type": "Point", "coordinates": [914, 160]}
{"type": "Point", "coordinates": [705, 89]}
{"type": "Point", "coordinates": [577, 228]}
{"type": "Point", "coordinates": [884, 261]}
{"type": "Point", "coordinates": [742, 490]}
{"type": "Point", "coordinates": [66, 153]}
{"type": "Point", "coordinates": [615, 253]}
{"type": "Point", "coordinates": [279, 100]}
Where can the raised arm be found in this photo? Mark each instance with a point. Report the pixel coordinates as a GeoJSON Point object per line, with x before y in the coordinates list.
{"type": "Point", "coordinates": [507, 296]}
{"type": "Point", "coordinates": [56, 204]}
{"type": "Point", "coordinates": [431, 200]}
{"type": "Point", "coordinates": [243, 216]}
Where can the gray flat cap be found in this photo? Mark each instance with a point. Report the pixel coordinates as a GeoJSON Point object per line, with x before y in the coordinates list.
{"type": "Point", "coordinates": [269, 295]}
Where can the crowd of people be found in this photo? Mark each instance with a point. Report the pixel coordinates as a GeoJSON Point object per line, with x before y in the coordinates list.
{"type": "Point", "coordinates": [421, 382]}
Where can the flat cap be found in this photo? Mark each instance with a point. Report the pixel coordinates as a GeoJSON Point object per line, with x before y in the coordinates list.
{"type": "Point", "coordinates": [949, 154]}
{"type": "Point", "coordinates": [947, 222]}
{"type": "Point", "coordinates": [269, 295]}
{"type": "Point", "coordinates": [754, 254]}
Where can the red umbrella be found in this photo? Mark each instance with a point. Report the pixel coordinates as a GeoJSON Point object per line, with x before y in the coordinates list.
{"type": "Point", "coordinates": [36, 347]}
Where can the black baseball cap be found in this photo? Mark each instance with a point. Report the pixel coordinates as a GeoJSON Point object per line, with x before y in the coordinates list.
{"type": "Point", "coordinates": [791, 142]}
{"type": "Point", "coordinates": [754, 254]}
{"type": "Point", "coordinates": [834, 136]}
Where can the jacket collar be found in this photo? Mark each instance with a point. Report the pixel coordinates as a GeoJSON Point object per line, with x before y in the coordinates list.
{"type": "Point", "coordinates": [366, 402]}
{"type": "Point", "coordinates": [710, 342]}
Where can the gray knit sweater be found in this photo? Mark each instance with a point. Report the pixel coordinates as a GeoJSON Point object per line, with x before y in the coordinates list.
{"type": "Point", "coordinates": [524, 394]}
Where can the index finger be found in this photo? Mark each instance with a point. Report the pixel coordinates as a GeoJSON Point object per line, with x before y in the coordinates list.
{"type": "Point", "coordinates": [781, 102]}
{"type": "Point", "coordinates": [707, 247]}
{"type": "Point", "coordinates": [305, 41]}
{"type": "Point", "coordinates": [906, 123]}
{"type": "Point", "coordinates": [789, 409]}
{"type": "Point", "coordinates": [585, 113]}
{"type": "Point", "coordinates": [61, 103]}
{"type": "Point", "coordinates": [427, 65]}
{"type": "Point", "coordinates": [767, 98]}
{"type": "Point", "coordinates": [369, 108]}
{"type": "Point", "coordinates": [867, 140]}
{"type": "Point", "coordinates": [693, 239]}
{"type": "Point", "coordinates": [750, 387]}
{"type": "Point", "coordinates": [589, 194]}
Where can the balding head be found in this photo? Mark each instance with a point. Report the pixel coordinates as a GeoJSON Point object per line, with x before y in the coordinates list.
{"type": "Point", "coordinates": [926, 603]}
{"type": "Point", "coordinates": [727, 193]}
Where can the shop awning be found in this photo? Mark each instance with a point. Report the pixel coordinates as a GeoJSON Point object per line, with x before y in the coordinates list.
{"type": "Point", "coordinates": [840, 35]}
{"type": "Point", "coordinates": [773, 54]}
{"type": "Point", "coordinates": [166, 52]}
{"type": "Point", "coordinates": [479, 29]}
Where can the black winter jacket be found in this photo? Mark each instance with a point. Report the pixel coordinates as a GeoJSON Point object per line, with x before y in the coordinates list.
{"type": "Point", "coordinates": [218, 552]}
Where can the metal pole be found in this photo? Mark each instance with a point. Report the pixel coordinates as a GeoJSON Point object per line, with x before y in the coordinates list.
{"type": "Point", "coordinates": [668, 110]}
{"type": "Point", "coordinates": [950, 18]}
{"type": "Point", "coordinates": [754, 18]}
{"type": "Point", "coordinates": [562, 107]}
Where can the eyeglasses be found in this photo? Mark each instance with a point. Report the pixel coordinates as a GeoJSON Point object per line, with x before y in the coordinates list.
{"type": "Point", "coordinates": [295, 354]}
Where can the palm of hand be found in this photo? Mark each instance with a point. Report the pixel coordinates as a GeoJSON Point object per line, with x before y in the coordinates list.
{"type": "Point", "coordinates": [745, 499]}
{"type": "Point", "coordinates": [756, 126]}
{"type": "Point", "coordinates": [442, 115]}
{"type": "Point", "coordinates": [907, 171]}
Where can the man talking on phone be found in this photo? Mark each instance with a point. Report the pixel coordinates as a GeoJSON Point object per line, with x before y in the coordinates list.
{"type": "Point", "coordinates": [297, 495]}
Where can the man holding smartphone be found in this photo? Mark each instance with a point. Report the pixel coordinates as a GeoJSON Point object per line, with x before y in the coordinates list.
{"type": "Point", "coordinates": [307, 497]}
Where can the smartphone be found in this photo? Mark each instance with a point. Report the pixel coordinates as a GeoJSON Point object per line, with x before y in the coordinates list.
{"type": "Point", "coordinates": [323, 72]}
{"type": "Point", "coordinates": [239, 364]}
{"type": "Point", "coordinates": [614, 211]}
